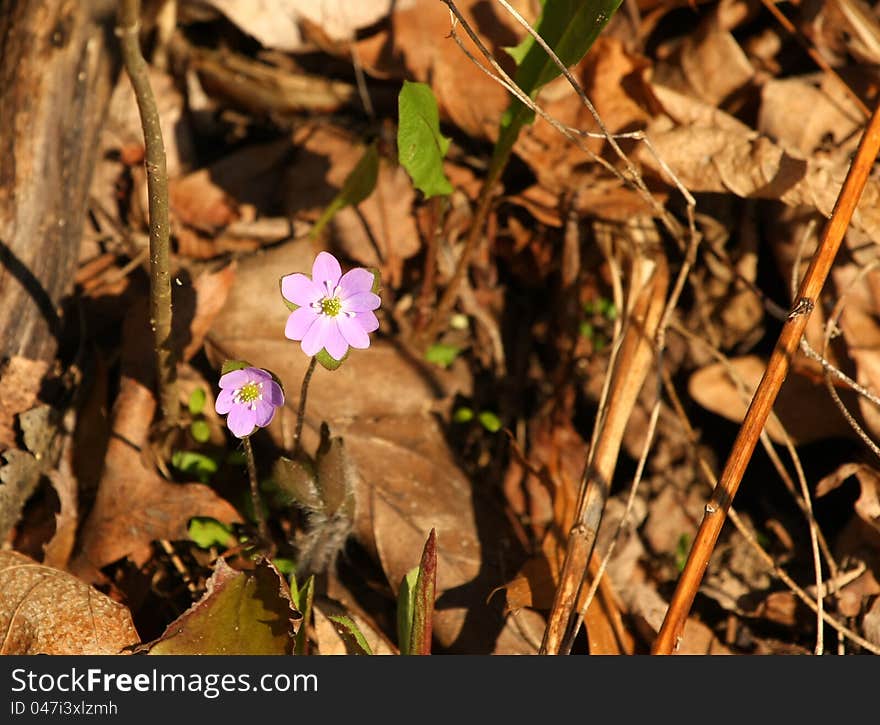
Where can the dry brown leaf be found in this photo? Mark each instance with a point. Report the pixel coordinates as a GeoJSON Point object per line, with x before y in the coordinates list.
{"type": "Point", "coordinates": [211, 290]}
{"type": "Point", "coordinates": [276, 23]}
{"type": "Point", "coordinates": [382, 227]}
{"type": "Point", "coordinates": [327, 636]}
{"type": "Point", "coordinates": [47, 611]}
{"type": "Point", "coordinates": [611, 78]}
{"type": "Point", "coordinates": [708, 64]}
{"type": "Point", "coordinates": [868, 504]}
{"type": "Point", "coordinates": [418, 47]}
{"type": "Point", "coordinates": [858, 289]}
{"type": "Point", "coordinates": [20, 380]}
{"type": "Point", "coordinates": [805, 115]}
{"type": "Point", "coordinates": [60, 547]}
{"type": "Point", "coordinates": [135, 505]}
{"type": "Point", "coordinates": [19, 476]}
{"type": "Point", "coordinates": [197, 201]}
{"type": "Point", "coordinates": [408, 480]}
{"type": "Point", "coordinates": [804, 407]}
{"type": "Point", "coordinates": [720, 154]}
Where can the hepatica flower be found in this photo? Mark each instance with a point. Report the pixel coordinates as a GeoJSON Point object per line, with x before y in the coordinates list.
{"type": "Point", "coordinates": [249, 396]}
{"type": "Point", "coordinates": [335, 310]}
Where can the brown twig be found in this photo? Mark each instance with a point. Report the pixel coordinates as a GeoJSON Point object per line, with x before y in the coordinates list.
{"type": "Point", "coordinates": [128, 29]}
{"type": "Point", "coordinates": [765, 395]}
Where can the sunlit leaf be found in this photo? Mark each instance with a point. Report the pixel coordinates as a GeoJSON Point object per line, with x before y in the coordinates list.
{"type": "Point", "coordinates": [420, 145]}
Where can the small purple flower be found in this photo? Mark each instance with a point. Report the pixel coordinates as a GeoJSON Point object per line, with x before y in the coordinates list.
{"type": "Point", "coordinates": [250, 397]}
{"type": "Point", "coordinates": [335, 310]}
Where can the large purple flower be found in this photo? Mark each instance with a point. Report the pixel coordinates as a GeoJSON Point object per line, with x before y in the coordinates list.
{"type": "Point", "coordinates": [335, 310]}
{"type": "Point", "coordinates": [250, 397]}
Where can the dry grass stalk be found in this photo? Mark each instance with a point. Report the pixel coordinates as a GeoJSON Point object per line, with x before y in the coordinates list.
{"type": "Point", "coordinates": [629, 372]}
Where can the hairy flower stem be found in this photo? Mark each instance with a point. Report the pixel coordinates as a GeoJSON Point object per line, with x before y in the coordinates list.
{"type": "Point", "coordinates": [301, 410]}
{"type": "Point", "coordinates": [127, 29]}
{"type": "Point", "coordinates": [256, 503]}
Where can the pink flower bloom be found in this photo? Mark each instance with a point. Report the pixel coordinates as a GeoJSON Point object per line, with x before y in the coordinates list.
{"type": "Point", "coordinates": [335, 310]}
{"type": "Point", "coordinates": [250, 397]}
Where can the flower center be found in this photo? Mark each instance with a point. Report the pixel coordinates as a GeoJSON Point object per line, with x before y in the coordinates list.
{"type": "Point", "coordinates": [331, 306]}
{"type": "Point", "coordinates": [249, 392]}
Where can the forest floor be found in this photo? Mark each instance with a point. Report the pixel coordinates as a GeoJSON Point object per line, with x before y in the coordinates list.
{"type": "Point", "coordinates": [477, 424]}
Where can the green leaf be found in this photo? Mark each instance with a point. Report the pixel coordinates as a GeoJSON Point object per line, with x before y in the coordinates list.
{"type": "Point", "coordinates": [197, 401]}
{"type": "Point", "coordinates": [242, 613]}
{"type": "Point", "coordinates": [569, 27]}
{"type": "Point", "coordinates": [490, 421]}
{"type": "Point", "coordinates": [442, 354]}
{"type": "Point", "coordinates": [288, 568]}
{"type": "Point", "coordinates": [355, 642]}
{"type": "Point", "coordinates": [207, 532]}
{"type": "Point", "coordinates": [303, 602]}
{"type": "Point", "coordinates": [200, 431]}
{"type": "Point", "coordinates": [420, 145]}
{"type": "Point", "coordinates": [230, 365]}
{"type": "Point", "coordinates": [358, 185]}
{"type": "Point", "coordinates": [463, 415]}
{"type": "Point", "coordinates": [405, 608]}
{"type": "Point", "coordinates": [194, 464]}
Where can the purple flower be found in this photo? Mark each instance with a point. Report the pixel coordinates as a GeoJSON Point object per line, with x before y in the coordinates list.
{"type": "Point", "coordinates": [334, 311]}
{"type": "Point", "coordinates": [249, 396]}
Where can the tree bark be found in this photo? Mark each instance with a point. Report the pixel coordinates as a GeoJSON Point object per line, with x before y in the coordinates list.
{"type": "Point", "coordinates": [58, 66]}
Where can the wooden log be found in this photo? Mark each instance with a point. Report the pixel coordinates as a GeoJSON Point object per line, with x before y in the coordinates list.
{"type": "Point", "coordinates": [58, 66]}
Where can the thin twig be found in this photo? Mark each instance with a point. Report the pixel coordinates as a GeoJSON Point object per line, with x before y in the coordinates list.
{"type": "Point", "coordinates": [128, 29]}
{"type": "Point", "coordinates": [765, 395]}
{"type": "Point", "coordinates": [301, 409]}
{"type": "Point", "coordinates": [256, 503]}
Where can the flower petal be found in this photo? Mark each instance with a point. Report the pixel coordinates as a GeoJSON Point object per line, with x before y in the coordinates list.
{"type": "Point", "coordinates": [258, 375]}
{"type": "Point", "coordinates": [361, 302]}
{"type": "Point", "coordinates": [354, 334]}
{"type": "Point", "coordinates": [299, 289]}
{"type": "Point", "coordinates": [234, 379]}
{"type": "Point", "coordinates": [367, 320]}
{"type": "Point", "coordinates": [314, 338]}
{"type": "Point", "coordinates": [334, 342]}
{"type": "Point", "coordinates": [326, 271]}
{"type": "Point", "coordinates": [223, 404]}
{"type": "Point", "coordinates": [241, 421]}
{"type": "Point", "coordinates": [354, 281]}
{"type": "Point", "coordinates": [273, 393]}
{"type": "Point", "coordinates": [299, 322]}
{"type": "Point", "coordinates": [264, 413]}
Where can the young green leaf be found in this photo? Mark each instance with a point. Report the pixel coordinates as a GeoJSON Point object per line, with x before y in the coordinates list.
{"type": "Point", "coordinates": [569, 27]}
{"type": "Point", "coordinates": [358, 185]}
{"type": "Point", "coordinates": [355, 642]}
{"type": "Point", "coordinates": [200, 431]}
{"type": "Point", "coordinates": [207, 532]}
{"type": "Point", "coordinates": [303, 602]}
{"type": "Point", "coordinates": [194, 464]}
{"type": "Point", "coordinates": [490, 421]}
{"type": "Point", "coordinates": [197, 401]}
{"type": "Point", "coordinates": [420, 145]}
{"type": "Point", "coordinates": [442, 354]}
{"type": "Point", "coordinates": [405, 608]}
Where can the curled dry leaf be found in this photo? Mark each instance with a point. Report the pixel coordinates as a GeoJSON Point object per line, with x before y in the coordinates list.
{"type": "Point", "coordinates": [726, 156]}
{"type": "Point", "coordinates": [803, 406]}
{"type": "Point", "coordinates": [868, 504]}
{"type": "Point", "coordinates": [407, 478]}
{"type": "Point", "coordinates": [19, 476]}
{"type": "Point", "coordinates": [241, 613]}
{"type": "Point", "coordinates": [47, 611]}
